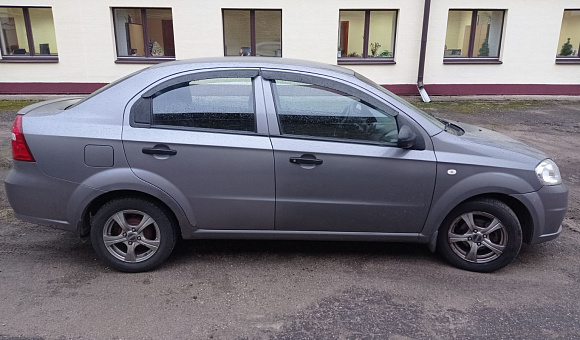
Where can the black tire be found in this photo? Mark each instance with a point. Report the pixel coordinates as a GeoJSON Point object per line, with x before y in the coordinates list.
{"type": "Point", "coordinates": [126, 239]}
{"type": "Point", "coordinates": [485, 246]}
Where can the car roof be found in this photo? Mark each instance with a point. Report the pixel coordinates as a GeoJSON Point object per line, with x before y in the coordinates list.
{"type": "Point", "coordinates": [264, 62]}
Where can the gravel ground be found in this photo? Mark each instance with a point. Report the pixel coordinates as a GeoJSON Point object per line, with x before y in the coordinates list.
{"type": "Point", "coordinates": [53, 287]}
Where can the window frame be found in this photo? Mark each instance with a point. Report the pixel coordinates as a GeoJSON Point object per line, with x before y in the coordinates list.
{"type": "Point", "coordinates": [470, 59]}
{"type": "Point", "coordinates": [568, 59]}
{"type": "Point", "coordinates": [252, 29]}
{"type": "Point", "coordinates": [141, 112]}
{"type": "Point", "coordinates": [365, 59]}
{"type": "Point", "coordinates": [147, 59]}
{"type": "Point", "coordinates": [32, 57]}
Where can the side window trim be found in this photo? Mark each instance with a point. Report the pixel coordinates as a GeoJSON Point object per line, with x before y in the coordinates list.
{"type": "Point", "coordinates": [141, 112]}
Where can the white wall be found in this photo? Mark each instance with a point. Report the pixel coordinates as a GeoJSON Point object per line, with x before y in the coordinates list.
{"type": "Point", "coordinates": [86, 45]}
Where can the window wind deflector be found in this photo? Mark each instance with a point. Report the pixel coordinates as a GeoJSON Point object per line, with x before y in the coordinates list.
{"type": "Point", "coordinates": [238, 73]}
{"type": "Point", "coordinates": [337, 85]}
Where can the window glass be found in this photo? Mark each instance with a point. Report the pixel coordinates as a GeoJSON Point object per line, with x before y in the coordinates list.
{"type": "Point", "coordinates": [220, 103]}
{"type": "Point", "coordinates": [488, 33]}
{"type": "Point", "coordinates": [14, 39]}
{"type": "Point", "coordinates": [569, 41]}
{"type": "Point", "coordinates": [458, 33]}
{"type": "Point", "coordinates": [237, 33]}
{"type": "Point", "coordinates": [352, 31]}
{"type": "Point", "coordinates": [311, 110]}
{"type": "Point", "coordinates": [160, 32]}
{"type": "Point", "coordinates": [381, 33]}
{"type": "Point", "coordinates": [129, 32]}
{"type": "Point", "coordinates": [132, 25]}
{"type": "Point", "coordinates": [268, 33]}
{"type": "Point", "coordinates": [252, 32]}
{"type": "Point", "coordinates": [473, 34]}
{"type": "Point", "coordinates": [43, 31]}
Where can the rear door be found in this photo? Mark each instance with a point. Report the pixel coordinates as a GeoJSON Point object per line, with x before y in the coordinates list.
{"type": "Point", "coordinates": [338, 167]}
{"type": "Point", "coordinates": [203, 139]}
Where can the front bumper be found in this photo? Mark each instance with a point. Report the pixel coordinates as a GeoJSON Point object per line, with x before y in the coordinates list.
{"type": "Point", "coordinates": [547, 208]}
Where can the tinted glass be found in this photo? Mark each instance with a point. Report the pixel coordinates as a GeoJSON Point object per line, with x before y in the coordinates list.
{"type": "Point", "coordinates": [311, 110]}
{"type": "Point", "coordinates": [221, 103]}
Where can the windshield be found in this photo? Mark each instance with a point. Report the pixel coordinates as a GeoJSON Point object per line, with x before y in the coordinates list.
{"type": "Point", "coordinates": [106, 87]}
{"type": "Point", "coordinates": [428, 116]}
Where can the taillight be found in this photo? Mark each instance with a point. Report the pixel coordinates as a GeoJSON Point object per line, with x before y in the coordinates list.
{"type": "Point", "coordinates": [20, 150]}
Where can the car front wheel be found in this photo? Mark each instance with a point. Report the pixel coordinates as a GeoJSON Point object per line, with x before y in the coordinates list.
{"type": "Point", "coordinates": [132, 234]}
{"type": "Point", "coordinates": [481, 235]}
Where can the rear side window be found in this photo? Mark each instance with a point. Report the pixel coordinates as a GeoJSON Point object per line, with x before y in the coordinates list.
{"type": "Point", "coordinates": [218, 103]}
{"type": "Point", "coordinates": [316, 111]}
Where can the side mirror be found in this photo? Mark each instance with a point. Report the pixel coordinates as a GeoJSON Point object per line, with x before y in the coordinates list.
{"type": "Point", "coordinates": [407, 138]}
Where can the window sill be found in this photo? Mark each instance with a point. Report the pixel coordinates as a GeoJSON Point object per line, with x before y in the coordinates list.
{"type": "Point", "coordinates": [495, 61]}
{"type": "Point", "coordinates": [29, 59]}
{"type": "Point", "coordinates": [142, 60]}
{"type": "Point", "coordinates": [365, 61]}
{"type": "Point", "coordinates": [568, 61]}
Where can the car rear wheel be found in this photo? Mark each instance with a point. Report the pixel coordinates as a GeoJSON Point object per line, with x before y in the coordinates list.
{"type": "Point", "coordinates": [132, 234]}
{"type": "Point", "coordinates": [482, 236]}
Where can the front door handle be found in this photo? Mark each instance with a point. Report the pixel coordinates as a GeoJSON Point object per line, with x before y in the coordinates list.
{"type": "Point", "coordinates": [159, 151]}
{"type": "Point", "coordinates": [305, 160]}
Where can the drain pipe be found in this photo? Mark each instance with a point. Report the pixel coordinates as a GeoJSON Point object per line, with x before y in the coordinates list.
{"type": "Point", "coordinates": [420, 86]}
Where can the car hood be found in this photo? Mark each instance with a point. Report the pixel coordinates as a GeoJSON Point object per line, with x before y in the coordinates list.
{"type": "Point", "coordinates": [487, 137]}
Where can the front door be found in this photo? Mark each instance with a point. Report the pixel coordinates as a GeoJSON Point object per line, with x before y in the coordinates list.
{"type": "Point", "coordinates": [338, 167]}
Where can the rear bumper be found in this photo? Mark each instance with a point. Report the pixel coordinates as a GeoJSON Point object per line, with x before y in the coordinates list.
{"type": "Point", "coordinates": [38, 198]}
{"type": "Point", "coordinates": [547, 207]}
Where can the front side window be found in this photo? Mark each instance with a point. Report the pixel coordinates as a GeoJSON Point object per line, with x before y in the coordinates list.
{"type": "Point", "coordinates": [473, 34]}
{"type": "Point", "coordinates": [252, 32]}
{"type": "Point", "coordinates": [366, 35]}
{"type": "Point", "coordinates": [315, 111]}
{"type": "Point", "coordinates": [144, 33]}
{"type": "Point", "coordinates": [569, 41]}
{"type": "Point", "coordinates": [217, 104]}
{"type": "Point", "coordinates": [27, 32]}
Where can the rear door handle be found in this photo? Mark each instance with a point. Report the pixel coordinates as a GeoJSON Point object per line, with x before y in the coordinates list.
{"type": "Point", "coordinates": [159, 151]}
{"type": "Point", "coordinates": [303, 160]}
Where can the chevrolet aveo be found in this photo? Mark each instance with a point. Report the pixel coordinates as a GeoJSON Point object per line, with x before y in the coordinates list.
{"type": "Point", "coordinates": [256, 148]}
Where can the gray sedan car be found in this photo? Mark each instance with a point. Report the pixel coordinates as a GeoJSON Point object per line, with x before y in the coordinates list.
{"type": "Point", "coordinates": [259, 148]}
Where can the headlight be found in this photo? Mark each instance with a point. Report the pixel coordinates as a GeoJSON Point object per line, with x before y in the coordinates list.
{"type": "Point", "coordinates": [548, 173]}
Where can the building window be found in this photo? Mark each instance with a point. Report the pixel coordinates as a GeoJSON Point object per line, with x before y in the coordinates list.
{"type": "Point", "coordinates": [569, 42]}
{"type": "Point", "coordinates": [473, 34]}
{"type": "Point", "coordinates": [28, 33]}
{"type": "Point", "coordinates": [252, 32]}
{"type": "Point", "coordinates": [366, 36]}
{"type": "Point", "coordinates": [144, 33]}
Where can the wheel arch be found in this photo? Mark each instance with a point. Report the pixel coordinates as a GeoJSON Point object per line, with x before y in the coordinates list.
{"type": "Point", "coordinates": [92, 208]}
{"type": "Point", "coordinates": [521, 211]}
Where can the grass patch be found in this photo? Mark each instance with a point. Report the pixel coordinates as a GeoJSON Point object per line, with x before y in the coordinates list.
{"type": "Point", "coordinates": [14, 105]}
{"type": "Point", "coordinates": [469, 107]}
